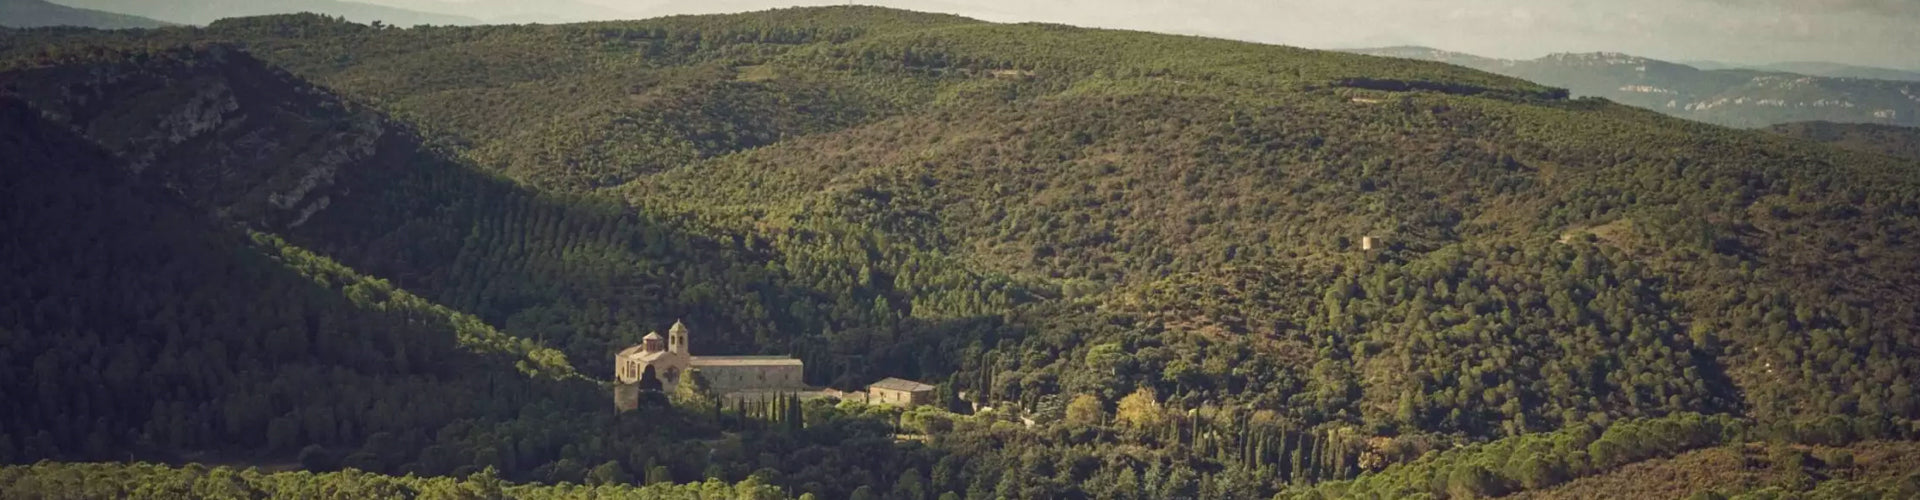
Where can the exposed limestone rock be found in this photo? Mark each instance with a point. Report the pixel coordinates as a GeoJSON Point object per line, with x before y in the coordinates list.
{"type": "Point", "coordinates": [247, 141]}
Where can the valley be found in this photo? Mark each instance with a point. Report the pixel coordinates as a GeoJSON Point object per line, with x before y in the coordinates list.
{"type": "Point", "coordinates": [1172, 266]}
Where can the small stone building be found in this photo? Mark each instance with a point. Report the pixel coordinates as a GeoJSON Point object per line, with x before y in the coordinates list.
{"type": "Point", "coordinates": [899, 392]}
{"type": "Point", "coordinates": [658, 363]}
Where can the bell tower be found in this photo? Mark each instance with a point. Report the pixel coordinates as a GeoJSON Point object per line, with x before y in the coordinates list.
{"type": "Point", "coordinates": [677, 339]}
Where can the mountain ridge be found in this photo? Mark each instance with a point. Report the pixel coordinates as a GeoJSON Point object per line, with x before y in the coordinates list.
{"type": "Point", "coordinates": [41, 13]}
{"type": "Point", "coordinates": [201, 13]}
{"type": "Point", "coordinates": [1838, 70]}
{"type": "Point", "coordinates": [1740, 97]}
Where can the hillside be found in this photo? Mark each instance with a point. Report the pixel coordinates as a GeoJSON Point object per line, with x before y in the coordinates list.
{"type": "Point", "coordinates": [312, 168]}
{"type": "Point", "coordinates": [1733, 97]}
{"type": "Point", "coordinates": [131, 338]}
{"type": "Point", "coordinates": [1901, 142]}
{"type": "Point", "coordinates": [1151, 245]}
{"type": "Point", "coordinates": [40, 13]}
{"type": "Point", "coordinates": [113, 481]}
{"type": "Point", "coordinates": [1677, 456]}
{"type": "Point", "coordinates": [1755, 471]}
{"type": "Point", "coordinates": [1837, 70]}
{"type": "Point", "coordinates": [203, 12]}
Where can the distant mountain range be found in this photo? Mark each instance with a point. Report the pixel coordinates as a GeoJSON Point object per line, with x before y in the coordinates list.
{"type": "Point", "coordinates": [1838, 70]}
{"type": "Point", "coordinates": [201, 12]}
{"type": "Point", "coordinates": [516, 11]}
{"type": "Point", "coordinates": [38, 13]}
{"type": "Point", "coordinates": [1733, 97]}
{"type": "Point", "coordinates": [1815, 68]}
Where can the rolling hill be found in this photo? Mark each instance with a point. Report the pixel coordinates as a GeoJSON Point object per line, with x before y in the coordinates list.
{"type": "Point", "coordinates": [1203, 268]}
{"type": "Point", "coordinates": [1734, 97]}
{"type": "Point", "coordinates": [240, 162]}
{"type": "Point", "coordinates": [117, 363]}
{"type": "Point", "coordinates": [40, 13]}
{"type": "Point", "coordinates": [202, 12]}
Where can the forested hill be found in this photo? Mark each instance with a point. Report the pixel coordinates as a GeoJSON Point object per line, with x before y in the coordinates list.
{"type": "Point", "coordinates": [148, 324]}
{"type": "Point", "coordinates": [139, 328]}
{"type": "Point", "coordinates": [1736, 97]}
{"type": "Point", "coordinates": [1153, 245]}
{"type": "Point", "coordinates": [1901, 142]}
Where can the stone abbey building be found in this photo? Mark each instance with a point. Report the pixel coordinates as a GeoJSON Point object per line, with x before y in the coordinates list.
{"type": "Point", "coordinates": [658, 363]}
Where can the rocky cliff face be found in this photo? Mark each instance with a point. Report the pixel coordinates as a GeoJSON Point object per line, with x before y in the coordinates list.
{"type": "Point", "coordinates": [242, 139]}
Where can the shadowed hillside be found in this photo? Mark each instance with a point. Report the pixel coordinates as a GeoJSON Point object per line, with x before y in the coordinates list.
{"type": "Point", "coordinates": [143, 329]}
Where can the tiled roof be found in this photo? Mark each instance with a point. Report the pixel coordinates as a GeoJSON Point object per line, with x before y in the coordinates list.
{"type": "Point", "coordinates": [897, 384]}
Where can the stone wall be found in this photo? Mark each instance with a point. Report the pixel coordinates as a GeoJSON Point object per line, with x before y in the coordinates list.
{"type": "Point", "coordinates": [899, 398]}
{"type": "Point", "coordinates": [725, 379]}
{"type": "Point", "coordinates": [626, 397]}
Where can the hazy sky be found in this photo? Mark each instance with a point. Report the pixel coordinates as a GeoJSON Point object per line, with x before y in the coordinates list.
{"type": "Point", "coordinates": [1867, 32]}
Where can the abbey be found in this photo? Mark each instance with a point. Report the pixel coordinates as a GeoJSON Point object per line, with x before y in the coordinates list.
{"type": "Point", "coordinates": [658, 363]}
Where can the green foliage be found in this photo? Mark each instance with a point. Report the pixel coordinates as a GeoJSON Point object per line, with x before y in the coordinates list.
{"type": "Point", "coordinates": [1890, 140]}
{"type": "Point", "coordinates": [142, 480]}
{"type": "Point", "coordinates": [200, 339]}
{"type": "Point", "coordinates": [1019, 212]}
{"type": "Point", "coordinates": [1901, 487]}
{"type": "Point", "coordinates": [1085, 409]}
{"type": "Point", "coordinates": [377, 294]}
{"type": "Point", "coordinates": [207, 341]}
{"type": "Point", "coordinates": [693, 392]}
{"type": "Point", "coordinates": [1535, 461]}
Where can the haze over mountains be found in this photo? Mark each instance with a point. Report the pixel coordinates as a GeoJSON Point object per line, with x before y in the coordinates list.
{"type": "Point", "coordinates": [1816, 68]}
{"type": "Point", "coordinates": [39, 13]}
{"type": "Point", "coordinates": [1757, 96]}
{"type": "Point", "coordinates": [1838, 70]}
{"type": "Point", "coordinates": [518, 11]}
{"type": "Point", "coordinates": [1732, 97]}
{"type": "Point", "coordinates": [202, 12]}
